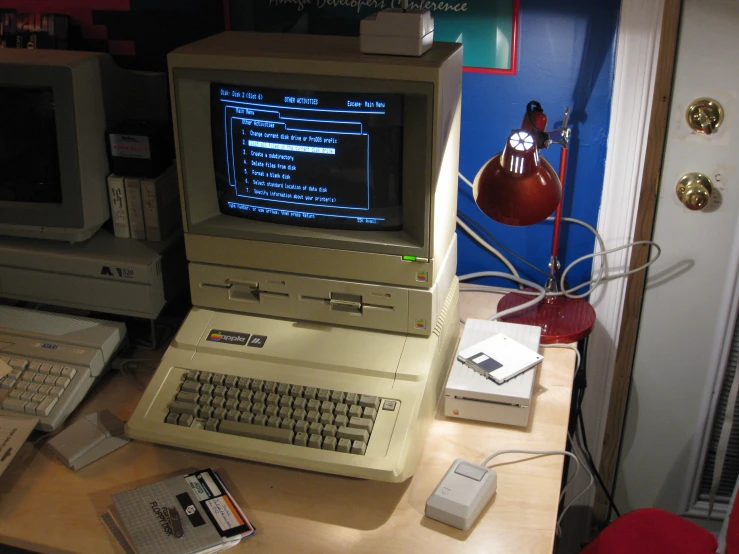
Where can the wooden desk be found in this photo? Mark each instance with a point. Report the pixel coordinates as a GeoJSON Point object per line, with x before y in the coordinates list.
{"type": "Point", "coordinates": [44, 506]}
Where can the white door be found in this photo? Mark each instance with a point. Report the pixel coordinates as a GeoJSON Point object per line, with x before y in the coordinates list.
{"type": "Point", "coordinates": [690, 303]}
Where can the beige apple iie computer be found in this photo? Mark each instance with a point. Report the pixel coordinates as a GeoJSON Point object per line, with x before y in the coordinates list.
{"type": "Point", "coordinates": [319, 191]}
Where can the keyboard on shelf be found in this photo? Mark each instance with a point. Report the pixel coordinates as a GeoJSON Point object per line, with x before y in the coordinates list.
{"type": "Point", "coordinates": [286, 413]}
{"type": "Point", "coordinates": [316, 397]}
{"type": "Point", "coordinates": [54, 359]}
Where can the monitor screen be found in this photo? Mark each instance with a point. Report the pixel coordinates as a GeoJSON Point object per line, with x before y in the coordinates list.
{"type": "Point", "coordinates": [29, 156]}
{"type": "Point", "coordinates": [310, 158]}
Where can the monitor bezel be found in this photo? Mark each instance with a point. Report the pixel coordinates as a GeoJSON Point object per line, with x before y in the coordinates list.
{"type": "Point", "coordinates": [69, 212]}
{"type": "Point", "coordinates": [202, 215]}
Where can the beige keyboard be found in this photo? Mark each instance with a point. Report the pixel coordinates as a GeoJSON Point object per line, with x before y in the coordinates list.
{"type": "Point", "coordinates": [286, 413]}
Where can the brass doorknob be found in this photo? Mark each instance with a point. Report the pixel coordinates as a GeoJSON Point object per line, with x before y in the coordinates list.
{"type": "Point", "coordinates": [704, 115]}
{"type": "Point", "coordinates": [694, 190]}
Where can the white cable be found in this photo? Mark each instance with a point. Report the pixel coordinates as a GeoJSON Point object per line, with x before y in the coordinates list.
{"type": "Point", "coordinates": [488, 247]}
{"type": "Point", "coordinates": [467, 181]}
{"type": "Point", "coordinates": [542, 453]}
{"type": "Point", "coordinates": [540, 296]}
{"type": "Point", "coordinates": [569, 347]}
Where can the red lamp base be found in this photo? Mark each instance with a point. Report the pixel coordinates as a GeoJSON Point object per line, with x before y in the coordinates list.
{"type": "Point", "coordinates": [562, 319]}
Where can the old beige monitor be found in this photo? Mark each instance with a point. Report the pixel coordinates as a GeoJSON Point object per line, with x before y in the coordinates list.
{"type": "Point", "coordinates": [319, 199]}
{"type": "Point", "coordinates": [318, 183]}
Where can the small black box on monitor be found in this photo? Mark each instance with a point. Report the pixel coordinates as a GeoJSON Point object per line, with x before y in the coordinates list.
{"type": "Point", "coordinates": [140, 148]}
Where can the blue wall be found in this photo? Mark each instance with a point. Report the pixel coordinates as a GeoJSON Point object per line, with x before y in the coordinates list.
{"type": "Point", "coordinates": [566, 58]}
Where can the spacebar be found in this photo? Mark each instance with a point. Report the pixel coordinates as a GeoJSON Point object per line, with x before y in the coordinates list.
{"type": "Point", "coordinates": [256, 431]}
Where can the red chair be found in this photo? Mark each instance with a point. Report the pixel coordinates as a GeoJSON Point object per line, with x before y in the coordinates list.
{"type": "Point", "coordinates": [655, 531]}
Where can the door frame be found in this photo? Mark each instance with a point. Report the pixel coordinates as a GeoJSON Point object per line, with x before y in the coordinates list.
{"type": "Point", "coordinates": [645, 57]}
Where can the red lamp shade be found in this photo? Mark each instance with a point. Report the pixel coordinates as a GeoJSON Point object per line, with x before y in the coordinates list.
{"type": "Point", "coordinates": [518, 186]}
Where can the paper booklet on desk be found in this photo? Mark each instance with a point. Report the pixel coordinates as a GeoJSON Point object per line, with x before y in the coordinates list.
{"type": "Point", "coordinates": [470, 395]}
{"type": "Point", "coordinates": [187, 514]}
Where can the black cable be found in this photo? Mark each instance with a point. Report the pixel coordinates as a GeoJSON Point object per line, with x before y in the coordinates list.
{"type": "Point", "coordinates": [469, 221]}
{"type": "Point", "coordinates": [590, 460]}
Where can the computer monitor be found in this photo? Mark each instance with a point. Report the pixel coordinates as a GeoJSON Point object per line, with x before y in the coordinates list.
{"type": "Point", "coordinates": [55, 106]}
{"type": "Point", "coordinates": [300, 156]}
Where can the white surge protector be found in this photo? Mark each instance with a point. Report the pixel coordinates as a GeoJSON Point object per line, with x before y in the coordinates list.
{"type": "Point", "coordinates": [462, 493]}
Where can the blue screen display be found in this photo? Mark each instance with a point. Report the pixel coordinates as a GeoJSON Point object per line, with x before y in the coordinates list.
{"type": "Point", "coordinates": [318, 159]}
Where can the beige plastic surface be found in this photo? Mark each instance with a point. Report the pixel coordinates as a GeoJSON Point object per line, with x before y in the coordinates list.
{"type": "Point", "coordinates": [409, 369]}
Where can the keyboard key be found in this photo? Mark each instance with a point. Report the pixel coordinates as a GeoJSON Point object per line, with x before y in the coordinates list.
{"type": "Point", "coordinates": [352, 434]}
{"type": "Point", "coordinates": [30, 408]}
{"type": "Point", "coordinates": [329, 443]}
{"type": "Point", "coordinates": [232, 404]}
{"type": "Point", "coordinates": [69, 372]}
{"type": "Point", "coordinates": [231, 380]}
{"type": "Point", "coordinates": [39, 378]}
{"type": "Point", "coordinates": [323, 395]}
{"type": "Point", "coordinates": [300, 439]}
{"type": "Point", "coordinates": [344, 445]}
{"type": "Point", "coordinates": [330, 430]}
{"type": "Point", "coordinates": [260, 397]}
{"type": "Point", "coordinates": [246, 417]}
{"type": "Point", "coordinates": [258, 408]}
{"type": "Point", "coordinates": [354, 411]}
{"type": "Point", "coordinates": [246, 395]}
{"type": "Point", "coordinates": [299, 414]}
{"type": "Point", "coordinates": [185, 420]}
{"type": "Point", "coordinates": [310, 392]}
{"type": "Point", "coordinates": [260, 419]}
{"type": "Point", "coordinates": [7, 383]}
{"type": "Point", "coordinates": [341, 421]}
{"type": "Point", "coordinates": [204, 377]}
{"type": "Point", "coordinates": [296, 391]}
{"type": "Point", "coordinates": [327, 419]}
{"type": "Point", "coordinates": [15, 393]}
{"type": "Point", "coordinates": [27, 396]}
{"type": "Point", "coordinates": [212, 424]}
{"type": "Point", "coordinates": [191, 397]}
{"type": "Point", "coordinates": [288, 424]}
{"type": "Point", "coordinates": [273, 399]}
{"type": "Point", "coordinates": [208, 389]}
{"type": "Point", "coordinates": [172, 418]}
{"type": "Point", "coordinates": [341, 409]}
{"type": "Point", "coordinates": [313, 416]}
{"type": "Point", "coordinates": [270, 387]}
{"type": "Point", "coordinates": [28, 376]}
{"type": "Point", "coordinates": [351, 398]}
{"type": "Point", "coordinates": [36, 366]}
{"type": "Point", "coordinates": [55, 370]}
{"type": "Point", "coordinates": [245, 406]}
{"type": "Point", "coordinates": [256, 385]}
{"type": "Point", "coordinates": [233, 415]}
{"type": "Point", "coordinates": [38, 398]}
{"type": "Point", "coordinates": [62, 382]}
{"type": "Point", "coordinates": [370, 413]}
{"type": "Point", "coordinates": [286, 401]}
{"type": "Point", "coordinates": [286, 413]}
{"type": "Point", "coordinates": [300, 403]}
{"type": "Point", "coordinates": [359, 447]}
{"type": "Point", "coordinates": [205, 400]}
{"type": "Point", "coordinates": [14, 404]}
{"type": "Point", "coordinates": [218, 402]}
{"type": "Point", "coordinates": [315, 441]}
{"type": "Point", "coordinates": [302, 427]}
{"type": "Point", "coordinates": [315, 429]}
{"type": "Point", "coordinates": [220, 413]}
{"type": "Point", "coordinates": [257, 432]}
{"type": "Point", "coordinates": [233, 392]}
{"type": "Point", "coordinates": [283, 389]}
{"type": "Point", "coordinates": [18, 363]}
{"type": "Point", "coordinates": [184, 408]}
{"type": "Point", "coordinates": [366, 401]}
{"type": "Point", "coordinates": [313, 404]}
{"type": "Point", "coordinates": [361, 423]}
{"type": "Point", "coordinates": [44, 389]}
{"type": "Point", "coordinates": [337, 397]}
{"type": "Point", "coordinates": [220, 390]}
{"type": "Point", "coordinates": [191, 386]}
{"type": "Point", "coordinates": [271, 411]}
{"type": "Point", "coordinates": [15, 374]}
{"type": "Point", "coordinates": [327, 407]}
{"type": "Point", "coordinates": [206, 412]}
{"type": "Point", "coordinates": [244, 383]}
{"type": "Point", "coordinates": [193, 374]}
{"type": "Point", "coordinates": [218, 379]}
{"type": "Point", "coordinates": [56, 391]}
{"type": "Point", "coordinates": [274, 421]}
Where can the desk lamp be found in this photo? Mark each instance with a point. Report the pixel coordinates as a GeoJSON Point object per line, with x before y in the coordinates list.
{"type": "Point", "coordinates": [519, 187]}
